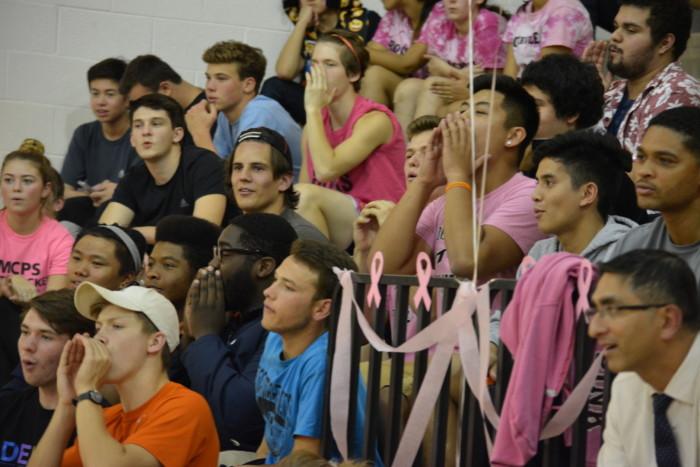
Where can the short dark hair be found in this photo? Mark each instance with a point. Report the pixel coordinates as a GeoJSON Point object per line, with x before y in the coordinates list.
{"type": "Point", "coordinates": [270, 233]}
{"type": "Point", "coordinates": [589, 157]}
{"type": "Point", "coordinates": [197, 237]}
{"type": "Point", "coordinates": [520, 107]}
{"type": "Point", "coordinates": [157, 101]}
{"type": "Point", "coordinates": [57, 308]}
{"type": "Point", "coordinates": [250, 61]}
{"type": "Point", "coordinates": [574, 87]}
{"type": "Point", "coordinates": [667, 17]}
{"type": "Point", "coordinates": [126, 262]}
{"type": "Point", "coordinates": [109, 68]}
{"type": "Point", "coordinates": [686, 122]}
{"type": "Point", "coordinates": [322, 257]}
{"type": "Point", "coordinates": [421, 124]}
{"type": "Point", "coordinates": [148, 71]}
{"type": "Point", "coordinates": [659, 277]}
{"type": "Point", "coordinates": [353, 54]}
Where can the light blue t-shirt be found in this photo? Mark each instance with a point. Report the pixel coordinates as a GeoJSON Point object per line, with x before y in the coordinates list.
{"type": "Point", "coordinates": [289, 394]}
{"type": "Point", "coordinates": [260, 111]}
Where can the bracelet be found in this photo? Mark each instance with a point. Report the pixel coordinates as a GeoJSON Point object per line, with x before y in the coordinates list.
{"type": "Point", "coordinates": [452, 185]}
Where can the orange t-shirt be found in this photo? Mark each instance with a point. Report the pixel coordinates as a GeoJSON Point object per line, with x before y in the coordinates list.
{"type": "Point", "coordinates": [176, 426]}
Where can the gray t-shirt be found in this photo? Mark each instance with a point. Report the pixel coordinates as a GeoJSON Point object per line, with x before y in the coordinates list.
{"type": "Point", "coordinates": [655, 236]}
{"type": "Point", "coordinates": [92, 158]}
{"type": "Point", "coordinates": [305, 230]}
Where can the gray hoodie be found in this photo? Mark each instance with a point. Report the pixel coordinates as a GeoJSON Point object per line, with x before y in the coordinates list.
{"type": "Point", "coordinates": [601, 247]}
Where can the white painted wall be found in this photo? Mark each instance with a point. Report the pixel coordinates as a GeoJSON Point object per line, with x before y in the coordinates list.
{"type": "Point", "coordinates": [46, 47]}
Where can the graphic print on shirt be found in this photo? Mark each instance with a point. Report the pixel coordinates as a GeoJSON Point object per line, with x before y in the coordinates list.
{"type": "Point", "coordinates": [20, 268]}
{"type": "Point", "coordinates": [440, 254]}
{"type": "Point", "coordinates": [273, 403]}
{"type": "Point", "coordinates": [15, 453]}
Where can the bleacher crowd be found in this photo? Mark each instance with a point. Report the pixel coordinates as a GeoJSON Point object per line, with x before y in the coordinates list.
{"type": "Point", "coordinates": [165, 299]}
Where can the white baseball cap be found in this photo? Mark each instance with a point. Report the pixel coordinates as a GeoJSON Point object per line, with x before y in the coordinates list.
{"type": "Point", "coordinates": [157, 308]}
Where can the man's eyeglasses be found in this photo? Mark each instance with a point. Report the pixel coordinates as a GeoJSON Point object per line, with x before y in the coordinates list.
{"type": "Point", "coordinates": [226, 252]}
{"type": "Point", "coordinates": [613, 311]}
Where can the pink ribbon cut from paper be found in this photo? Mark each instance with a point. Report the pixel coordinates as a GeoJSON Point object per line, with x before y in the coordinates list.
{"type": "Point", "coordinates": [374, 298]}
{"type": "Point", "coordinates": [424, 271]}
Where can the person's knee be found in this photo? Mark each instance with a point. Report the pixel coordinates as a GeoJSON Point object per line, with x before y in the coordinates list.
{"type": "Point", "coordinates": [427, 84]}
{"type": "Point", "coordinates": [309, 195]}
{"type": "Point", "coordinates": [373, 73]}
{"type": "Point", "coordinates": [430, 80]}
{"type": "Point", "coordinates": [408, 89]}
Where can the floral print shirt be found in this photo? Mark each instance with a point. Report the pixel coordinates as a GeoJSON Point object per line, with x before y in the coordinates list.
{"type": "Point", "coordinates": [671, 88]}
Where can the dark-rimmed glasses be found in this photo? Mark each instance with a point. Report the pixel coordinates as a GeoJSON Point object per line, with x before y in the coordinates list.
{"type": "Point", "coordinates": [225, 252]}
{"type": "Point", "coordinates": [613, 311]}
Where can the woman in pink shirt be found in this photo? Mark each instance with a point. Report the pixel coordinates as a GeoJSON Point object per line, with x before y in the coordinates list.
{"type": "Point", "coordinates": [446, 36]}
{"type": "Point", "coordinates": [32, 245]}
{"type": "Point", "coordinates": [393, 51]}
{"type": "Point", "coordinates": [353, 147]}
{"type": "Point", "coordinates": [544, 27]}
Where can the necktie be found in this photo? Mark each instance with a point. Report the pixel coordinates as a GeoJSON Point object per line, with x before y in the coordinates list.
{"type": "Point", "coordinates": [664, 441]}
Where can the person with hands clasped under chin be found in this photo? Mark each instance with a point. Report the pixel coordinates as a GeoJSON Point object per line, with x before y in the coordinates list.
{"type": "Point", "coordinates": [353, 147]}
{"type": "Point", "coordinates": [223, 320]}
{"type": "Point", "coordinates": [157, 422]}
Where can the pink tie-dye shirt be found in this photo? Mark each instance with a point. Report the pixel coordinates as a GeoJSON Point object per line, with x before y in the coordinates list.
{"type": "Point", "coordinates": [394, 32]}
{"type": "Point", "coordinates": [563, 23]}
{"type": "Point", "coordinates": [441, 36]}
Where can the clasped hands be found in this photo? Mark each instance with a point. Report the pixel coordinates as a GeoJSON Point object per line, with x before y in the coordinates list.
{"type": "Point", "coordinates": [205, 311]}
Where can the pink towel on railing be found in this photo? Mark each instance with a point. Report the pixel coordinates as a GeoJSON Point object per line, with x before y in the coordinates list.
{"type": "Point", "coordinates": [539, 329]}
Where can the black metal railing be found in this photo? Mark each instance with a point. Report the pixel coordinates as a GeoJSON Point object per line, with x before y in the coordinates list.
{"type": "Point", "coordinates": [384, 420]}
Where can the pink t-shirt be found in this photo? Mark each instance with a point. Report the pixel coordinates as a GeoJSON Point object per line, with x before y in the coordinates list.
{"type": "Point", "coordinates": [441, 36]}
{"type": "Point", "coordinates": [35, 256]}
{"type": "Point", "coordinates": [394, 32]}
{"type": "Point", "coordinates": [380, 175]}
{"type": "Point", "coordinates": [564, 23]}
{"type": "Point", "coordinates": [509, 208]}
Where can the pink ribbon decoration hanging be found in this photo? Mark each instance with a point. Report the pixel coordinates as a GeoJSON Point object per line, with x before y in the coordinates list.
{"type": "Point", "coordinates": [374, 298]}
{"type": "Point", "coordinates": [424, 271]}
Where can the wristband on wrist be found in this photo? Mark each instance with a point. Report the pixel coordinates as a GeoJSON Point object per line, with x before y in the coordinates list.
{"type": "Point", "coordinates": [452, 185]}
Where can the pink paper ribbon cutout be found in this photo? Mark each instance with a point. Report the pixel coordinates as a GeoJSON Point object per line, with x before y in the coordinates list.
{"type": "Point", "coordinates": [373, 296]}
{"type": "Point", "coordinates": [583, 283]}
{"type": "Point", "coordinates": [424, 271]}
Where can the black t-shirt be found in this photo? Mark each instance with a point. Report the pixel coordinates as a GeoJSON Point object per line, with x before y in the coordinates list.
{"type": "Point", "coordinates": [200, 173]}
{"type": "Point", "coordinates": [22, 422]}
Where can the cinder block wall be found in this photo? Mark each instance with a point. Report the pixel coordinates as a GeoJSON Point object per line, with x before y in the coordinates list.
{"type": "Point", "coordinates": [46, 47]}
